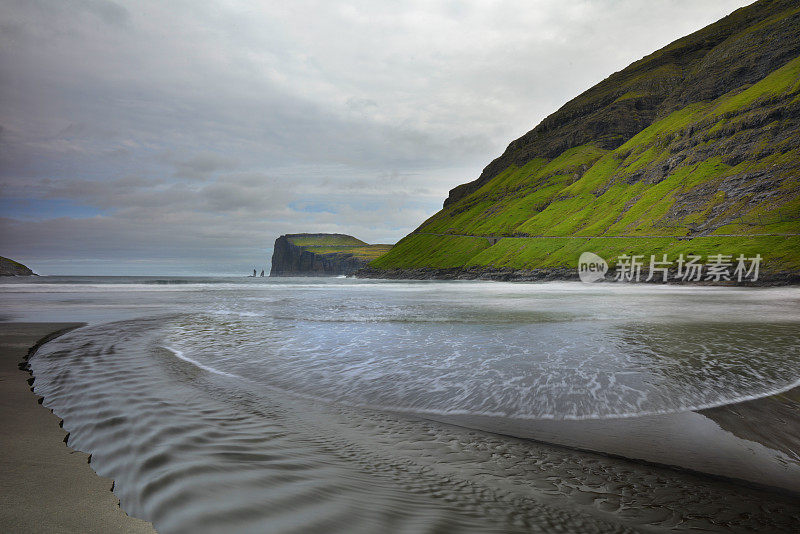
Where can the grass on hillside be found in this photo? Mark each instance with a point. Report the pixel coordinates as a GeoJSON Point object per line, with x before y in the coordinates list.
{"type": "Point", "coordinates": [369, 252]}
{"type": "Point", "coordinates": [325, 240]}
{"type": "Point", "coordinates": [442, 252]}
{"type": "Point", "coordinates": [9, 260]}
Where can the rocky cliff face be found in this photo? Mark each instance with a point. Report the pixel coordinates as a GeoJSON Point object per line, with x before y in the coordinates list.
{"type": "Point", "coordinates": [12, 268]}
{"type": "Point", "coordinates": [321, 255]}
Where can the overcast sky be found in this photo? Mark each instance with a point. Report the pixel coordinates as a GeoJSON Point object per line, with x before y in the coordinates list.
{"type": "Point", "coordinates": [182, 137]}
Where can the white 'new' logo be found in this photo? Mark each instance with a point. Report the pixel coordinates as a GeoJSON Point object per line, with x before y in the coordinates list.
{"type": "Point", "coordinates": [591, 267]}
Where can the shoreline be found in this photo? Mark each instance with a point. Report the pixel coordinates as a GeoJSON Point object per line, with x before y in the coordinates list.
{"type": "Point", "coordinates": [772, 421]}
{"type": "Point", "coordinates": [560, 274]}
{"type": "Point", "coordinates": [46, 485]}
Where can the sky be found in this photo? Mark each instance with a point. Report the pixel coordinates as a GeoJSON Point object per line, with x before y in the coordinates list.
{"type": "Point", "coordinates": [182, 137]}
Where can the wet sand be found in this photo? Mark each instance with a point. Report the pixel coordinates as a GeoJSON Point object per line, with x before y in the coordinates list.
{"type": "Point", "coordinates": [754, 442]}
{"type": "Point", "coordinates": [45, 486]}
{"type": "Point", "coordinates": [771, 421]}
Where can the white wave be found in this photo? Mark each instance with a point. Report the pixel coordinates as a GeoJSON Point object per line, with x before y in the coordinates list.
{"type": "Point", "coordinates": [179, 354]}
{"type": "Point", "coordinates": [235, 313]}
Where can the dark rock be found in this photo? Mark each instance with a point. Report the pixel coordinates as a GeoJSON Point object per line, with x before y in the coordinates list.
{"type": "Point", "coordinates": [12, 268]}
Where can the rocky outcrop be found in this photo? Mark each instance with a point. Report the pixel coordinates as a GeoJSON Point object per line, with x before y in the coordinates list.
{"type": "Point", "coordinates": [12, 268]}
{"type": "Point", "coordinates": [321, 255]}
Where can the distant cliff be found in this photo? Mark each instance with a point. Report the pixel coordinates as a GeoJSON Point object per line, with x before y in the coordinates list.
{"type": "Point", "coordinates": [12, 268]}
{"type": "Point", "coordinates": [322, 255]}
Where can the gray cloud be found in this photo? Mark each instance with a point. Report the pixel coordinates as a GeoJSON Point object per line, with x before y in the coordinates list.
{"type": "Point", "coordinates": [163, 133]}
{"type": "Point", "coordinates": [197, 166]}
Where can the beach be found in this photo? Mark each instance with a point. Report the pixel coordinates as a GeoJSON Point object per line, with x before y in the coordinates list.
{"type": "Point", "coordinates": [45, 485]}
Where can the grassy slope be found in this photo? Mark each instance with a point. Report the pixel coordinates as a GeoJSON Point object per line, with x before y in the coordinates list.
{"type": "Point", "coordinates": [698, 172]}
{"type": "Point", "coordinates": [339, 244]}
{"type": "Point", "coordinates": [330, 240]}
{"type": "Point", "coordinates": [12, 262]}
{"type": "Point", "coordinates": [368, 252]}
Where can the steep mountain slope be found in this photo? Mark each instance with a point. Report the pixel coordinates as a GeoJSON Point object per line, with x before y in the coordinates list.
{"type": "Point", "coordinates": [693, 149]}
{"type": "Point", "coordinates": [322, 255]}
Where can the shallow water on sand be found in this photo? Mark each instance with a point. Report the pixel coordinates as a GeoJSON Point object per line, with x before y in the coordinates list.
{"type": "Point", "coordinates": [302, 405]}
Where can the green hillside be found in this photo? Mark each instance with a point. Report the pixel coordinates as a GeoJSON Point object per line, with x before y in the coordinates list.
{"type": "Point", "coordinates": [693, 149]}
{"type": "Point", "coordinates": [338, 244]}
{"type": "Point", "coordinates": [368, 252]}
{"type": "Point", "coordinates": [325, 240]}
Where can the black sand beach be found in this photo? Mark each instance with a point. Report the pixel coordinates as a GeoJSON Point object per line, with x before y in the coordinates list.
{"type": "Point", "coordinates": [45, 485]}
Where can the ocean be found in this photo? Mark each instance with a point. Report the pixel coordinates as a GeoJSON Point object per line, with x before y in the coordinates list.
{"type": "Point", "coordinates": [345, 405]}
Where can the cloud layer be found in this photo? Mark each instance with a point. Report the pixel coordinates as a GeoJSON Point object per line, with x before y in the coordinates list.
{"type": "Point", "coordinates": [183, 137]}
